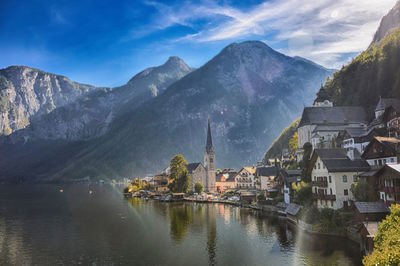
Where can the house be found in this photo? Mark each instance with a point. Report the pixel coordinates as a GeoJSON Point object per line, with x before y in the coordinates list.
{"type": "Point", "coordinates": [266, 177]}
{"type": "Point", "coordinates": [389, 183]}
{"type": "Point", "coordinates": [245, 178]}
{"type": "Point", "coordinates": [332, 173]}
{"type": "Point", "coordinates": [386, 110]}
{"type": "Point", "coordinates": [247, 196]}
{"type": "Point", "coordinates": [160, 183]}
{"type": "Point", "coordinates": [368, 231]}
{"type": "Point", "coordinates": [359, 138]}
{"type": "Point", "coordinates": [197, 172]}
{"type": "Point", "coordinates": [370, 211]}
{"type": "Point", "coordinates": [321, 125]}
{"type": "Point", "coordinates": [382, 150]}
{"type": "Point", "coordinates": [285, 180]}
{"type": "Point", "coordinates": [225, 180]}
{"type": "Point", "coordinates": [292, 211]}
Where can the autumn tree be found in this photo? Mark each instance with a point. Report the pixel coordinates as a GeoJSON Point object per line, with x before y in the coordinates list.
{"type": "Point", "coordinates": [294, 142]}
{"type": "Point", "coordinates": [387, 241]}
{"type": "Point", "coordinates": [180, 177]}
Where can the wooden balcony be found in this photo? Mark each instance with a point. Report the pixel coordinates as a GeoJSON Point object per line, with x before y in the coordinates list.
{"type": "Point", "coordinates": [321, 183]}
{"type": "Point", "coordinates": [324, 196]}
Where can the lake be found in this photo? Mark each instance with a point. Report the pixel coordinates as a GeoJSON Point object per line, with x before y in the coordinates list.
{"type": "Point", "coordinates": [39, 225]}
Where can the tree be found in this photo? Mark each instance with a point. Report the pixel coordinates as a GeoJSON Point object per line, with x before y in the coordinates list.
{"type": "Point", "coordinates": [305, 163]}
{"type": "Point", "coordinates": [363, 191]}
{"type": "Point", "coordinates": [198, 187]}
{"type": "Point", "coordinates": [181, 179]}
{"type": "Point", "coordinates": [294, 142]}
{"type": "Point", "coordinates": [302, 193]}
{"type": "Point", "coordinates": [387, 241]}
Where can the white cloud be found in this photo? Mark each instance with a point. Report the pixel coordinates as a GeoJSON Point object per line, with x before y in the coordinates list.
{"type": "Point", "coordinates": [323, 31]}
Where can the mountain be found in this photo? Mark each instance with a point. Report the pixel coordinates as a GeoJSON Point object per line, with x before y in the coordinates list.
{"type": "Point", "coordinates": [90, 115]}
{"type": "Point", "coordinates": [26, 93]}
{"type": "Point", "coordinates": [388, 24]}
{"type": "Point", "coordinates": [249, 91]}
{"type": "Point", "coordinates": [374, 73]}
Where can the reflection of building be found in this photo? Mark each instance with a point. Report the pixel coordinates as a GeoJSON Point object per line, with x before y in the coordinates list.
{"type": "Point", "coordinates": [333, 173]}
{"type": "Point", "coordinates": [209, 162]}
{"type": "Point", "coordinates": [211, 234]}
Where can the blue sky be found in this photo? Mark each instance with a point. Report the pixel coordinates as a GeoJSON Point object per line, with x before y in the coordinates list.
{"type": "Point", "coordinates": [105, 43]}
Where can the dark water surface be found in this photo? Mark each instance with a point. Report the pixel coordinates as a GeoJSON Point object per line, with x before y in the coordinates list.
{"type": "Point", "coordinates": [39, 225]}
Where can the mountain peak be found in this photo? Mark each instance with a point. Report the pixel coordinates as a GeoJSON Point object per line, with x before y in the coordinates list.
{"type": "Point", "coordinates": [389, 23]}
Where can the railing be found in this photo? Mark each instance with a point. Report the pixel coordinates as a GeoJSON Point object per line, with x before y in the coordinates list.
{"type": "Point", "coordinates": [324, 196]}
{"type": "Point", "coordinates": [321, 183]}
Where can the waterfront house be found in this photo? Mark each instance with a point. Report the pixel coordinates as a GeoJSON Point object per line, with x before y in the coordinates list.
{"type": "Point", "coordinates": [389, 184]}
{"type": "Point", "coordinates": [245, 178]}
{"type": "Point", "coordinates": [160, 183]}
{"type": "Point", "coordinates": [332, 173]}
{"type": "Point", "coordinates": [197, 172]}
{"type": "Point", "coordinates": [359, 138]}
{"type": "Point", "coordinates": [381, 151]}
{"type": "Point", "coordinates": [285, 180]}
{"type": "Point", "coordinates": [225, 180]}
{"type": "Point", "coordinates": [368, 230]}
{"type": "Point", "coordinates": [247, 196]}
{"type": "Point", "coordinates": [292, 211]}
{"type": "Point", "coordinates": [370, 211]}
{"type": "Point", "coordinates": [266, 177]}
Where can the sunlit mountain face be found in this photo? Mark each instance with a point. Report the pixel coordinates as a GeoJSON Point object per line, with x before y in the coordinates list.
{"type": "Point", "coordinates": [251, 67]}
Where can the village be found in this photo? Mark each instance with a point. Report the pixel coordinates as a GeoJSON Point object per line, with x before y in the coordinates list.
{"type": "Point", "coordinates": [341, 179]}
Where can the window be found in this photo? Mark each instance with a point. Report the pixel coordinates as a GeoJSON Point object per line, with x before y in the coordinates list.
{"type": "Point", "coordinates": [330, 179]}
{"type": "Point", "coordinates": [392, 160]}
{"type": "Point", "coordinates": [315, 166]}
{"type": "Point", "coordinates": [375, 162]}
{"type": "Point", "coordinates": [346, 192]}
{"type": "Point", "coordinates": [319, 166]}
{"type": "Point", "coordinates": [345, 179]}
{"type": "Point", "coordinates": [384, 161]}
{"type": "Point", "coordinates": [331, 191]}
{"type": "Point", "coordinates": [323, 166]}
{"type": "Point", "coordinates": [331, 203]}
{"type": "Point", "coordinates": [211, 160]}
{"type": "Point", "coordinates": [354, 178]}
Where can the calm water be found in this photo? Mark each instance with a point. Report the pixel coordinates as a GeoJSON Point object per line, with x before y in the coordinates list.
{"type": "Point", "coordinates": [41, 226]}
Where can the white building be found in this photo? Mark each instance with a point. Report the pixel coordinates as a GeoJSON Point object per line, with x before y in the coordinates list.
{"type": "Point", "coordinates": [333, 173]}
{"type": "Point", "coordinates": [245, 178]}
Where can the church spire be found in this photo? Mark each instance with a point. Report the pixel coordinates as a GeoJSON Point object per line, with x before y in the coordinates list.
{"type": "Point", "coordinates": [209, 145]}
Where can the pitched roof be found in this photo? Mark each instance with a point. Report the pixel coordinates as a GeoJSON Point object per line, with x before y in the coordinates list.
{"type": "Point", "coordinates": [250, 169]}
{"type": "Point", "coordinates": [333, 115]}
{"type": "Point", "coordinates": [336, 160]}
{"type": "Point", "coordinates": [267, 171]}
{"type": "Point", "coordinates": [387, 102]}
{"type": "Point", "coordinates": [209, 145]}
{"type": "Point", "coordinates": [293, 209]}
{"type": "Point", "coordinates": [372, 228]}
{"type": "Point", "coordinates": [192, 166]}
{"type": "Point", "coordinates": [371, 207]}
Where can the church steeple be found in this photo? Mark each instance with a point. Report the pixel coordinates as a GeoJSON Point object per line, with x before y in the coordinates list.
{"type": "Point", "coordinates": [209, 162]}
{"type": "Point", "coordinates": [209, 145]}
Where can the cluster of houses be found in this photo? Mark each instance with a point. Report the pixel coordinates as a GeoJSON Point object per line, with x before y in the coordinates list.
{"type": "Point", "coordinates": [346, 147]}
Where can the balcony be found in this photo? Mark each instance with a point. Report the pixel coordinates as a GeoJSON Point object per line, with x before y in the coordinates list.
{"type": "Point", "coordinates": [324, 196]}
{"type": "Point", "coordinates": [321, 183]}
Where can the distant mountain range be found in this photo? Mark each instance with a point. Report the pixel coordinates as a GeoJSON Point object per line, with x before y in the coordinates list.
{"type": "Point", "coordinates": [250, 92]}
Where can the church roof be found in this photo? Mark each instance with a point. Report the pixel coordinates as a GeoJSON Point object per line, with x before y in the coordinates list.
{"type": "Point", "coordinates": [192, 166]}
{"type": "Point", "coordinates": [209, 145]}
{"type": "Point", "coordinates": [333, 115]}
{"type": "Point", "coordinates": [387, 102]}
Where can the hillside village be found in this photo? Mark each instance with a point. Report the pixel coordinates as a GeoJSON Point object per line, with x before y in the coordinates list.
{"type": "Point", "coordinates": [345, 164]}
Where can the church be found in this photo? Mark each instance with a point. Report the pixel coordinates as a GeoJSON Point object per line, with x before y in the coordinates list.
{"type": "Point", "coordinates": [205, 173]}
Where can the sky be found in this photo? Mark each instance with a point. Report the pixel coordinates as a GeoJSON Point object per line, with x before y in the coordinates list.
{"type": "Point", "coordinates": [105, 43]}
